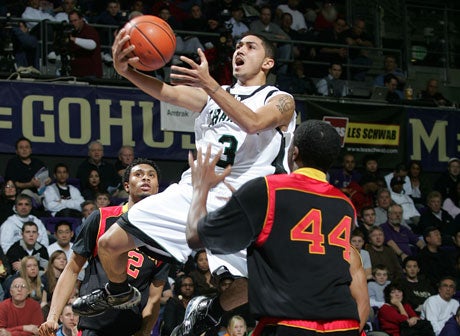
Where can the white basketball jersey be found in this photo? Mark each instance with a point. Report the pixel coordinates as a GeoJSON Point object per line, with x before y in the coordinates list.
{"type": "Point", "coordinates": [250, 155]}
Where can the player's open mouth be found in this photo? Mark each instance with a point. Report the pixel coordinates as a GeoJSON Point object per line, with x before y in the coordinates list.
{"type": "Point", "coordinates": [145, 187]}
{"type": "Point", "coordinates": [239, 61]}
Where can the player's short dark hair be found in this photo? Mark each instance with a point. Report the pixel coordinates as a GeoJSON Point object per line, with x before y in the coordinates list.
{"type": "Point", "coordinates": [318, 143]}
{"type": "Point", "coordinates": [270, 50]}
{"type": "Point", "coordinates": [139, 161]}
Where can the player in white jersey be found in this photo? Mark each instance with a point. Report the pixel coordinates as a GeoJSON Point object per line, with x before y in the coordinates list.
{"type": "Point", "coordinates": [250, 125]}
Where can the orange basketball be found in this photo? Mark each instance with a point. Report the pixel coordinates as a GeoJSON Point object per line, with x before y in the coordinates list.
{"type": "Point", "coordinates": [154, 41]}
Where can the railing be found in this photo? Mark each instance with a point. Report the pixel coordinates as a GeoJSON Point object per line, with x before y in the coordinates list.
{"type": "Point", "coordinates": [46, 40]}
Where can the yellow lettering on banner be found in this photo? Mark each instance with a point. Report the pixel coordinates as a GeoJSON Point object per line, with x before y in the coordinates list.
{"type": "Point", "coordinates": [147, 129]}
{"type": "Point", "coordinates": [437, 136]}
{"type": "Point", "coordinates": [47, 120]}
{"type": "Point", "coordinates": [125, 121]}
{"type": "Point", "coordinates": [65, 120]}
{"type": "Point", "coordinates": [187, 142]}
{"type": "Point", "coordinates": [373, 134]}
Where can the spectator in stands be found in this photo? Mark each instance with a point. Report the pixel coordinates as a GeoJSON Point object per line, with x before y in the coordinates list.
{"type": "Point", "coordinates": [62, 12]}
{"type": "Point", "coordinates": [326, 16]}
{"type": "Point", "coordinates": [20, 315]}
{"type": "Point", "coordinates": [93, 186]}
{"type": "Point", "coordinates": [440, 307]}
{"type": "Point", "coordinates": [342, 177]}
{"type": "Point", "coordinates": [401, 171]}
{"type": "Point", "coordinates": [366, 221]}
{"type": "Point", "coordinates": [391, 83]}
{"type": "Point", "coordinates": [411, 216]}
{"type": "Point", "coordinates": [357, 38]}
{"type": "Point", "coordinates": [11, 229]}
{"type": "Point", "coordinates": [196, 22]}
{"type": "Point", "coordinates": [34, 12]}
{"type": "Point", "coordinates": [452, 326]}
{"type": "Point", "coordinates": [201, 275]}
{"type": "Point", "coordinates": [95, 160]}
{"type": "Point", "coordinates": [397, 314]}
{"type": "Point", "coordinates": [112, 15]}
{"type": "Point", "coordinates": [377, 285]}
{"type": "Point", "coordinates": [56, 264]}
{"type": "Point", "coordinates": [419, 185]}
{"type": "Point", "coordinates": [447, 182]}
{"type": "Point", "coordinates": [399, 237]}
{"type": "Point", "coordinates": [184, 291]}
{"type": "Point", "coordinates": [266, 27]}
{"type": "Point", "coordinates": [435, 216]}
{"type": "Point", "coordinates": [237, 326]}
{"type": "Point", "coordinates": [28, 245]}
{"type": "Point", "coordinates": [434, 262]}
{"type": "Point", "coordinates": [87, 207]}
{"type": "Point", "coordinates": [85, 48]}
{"type": "Point", "coordinates": [69, 322]}
{"type": "Point", "coordinates": [173, 8]}
{"type": "Point", "coordinates": [102, 199]}
{"type": "Point", "coordinates": [296, 81]}
{"type": "Point", "coordinates": [384, 201]}
{"type": "Point", "coordinates": [431, 94]}
{"type": "Point", "coordinates": [371, 165]}
{"type": "Point", "coordinates": [332, 85]}
{"type": "Point", "coordinates": [125, 157]}
{"type": "Point", "coordinates": [382, 254]}
{"type": "Point", "coordinates": [62, 199]}
{"type": "Point", "coordinates": [7, 199]}
{"type": "Point", "coordinates": [298, 20]}
{"type": "Point", "coordinates": [362, 194]}
{"type": "Point", "coordinates": [236, 22]}
{"type": "Point", "coordinates": [452, 203]}
{"type": "Point", "coordinates": [5, 269]}
{"type": "Point", "coordinates": [333, 54]}
{"type": "Point", "coordinates": [25, 45]}
{"type": "Point", "coordinates": [22, 169]}
{"type": "Point", "coordinates": [357, 240]}
{"type": "Point", "coordinates": [390, 66]}
{"type": "Point", "coordinates": [415, 285]}
{"type": "Point", "coordinates": [64, 233]}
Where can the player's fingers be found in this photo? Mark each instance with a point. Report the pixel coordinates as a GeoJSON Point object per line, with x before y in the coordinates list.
{"type": "Point", "coordinates": [191, 160]}
{"type": "Point", "coordinates": [189, 61]}
{"type": "Point", "coordinates": [199, 156]}
{"type": "Point", "coordinates": [228, 185]}
{"type": "Point", "coordinates": [208, 154]}
{"type": "Point", "coordinates": [216, 158]}
{"type": "Point", "coordinates": [202, 56]}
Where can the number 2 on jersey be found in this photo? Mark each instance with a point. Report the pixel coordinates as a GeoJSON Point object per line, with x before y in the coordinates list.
{"type": "Point", "coordinates": [309, 229]}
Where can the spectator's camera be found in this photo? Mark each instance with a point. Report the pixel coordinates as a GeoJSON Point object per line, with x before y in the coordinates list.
{"type": "Point", "coordinates": [62, 34]}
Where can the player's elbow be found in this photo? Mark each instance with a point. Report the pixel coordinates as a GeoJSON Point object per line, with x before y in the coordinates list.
{"type": "Point", "coordinates": [193, 240]}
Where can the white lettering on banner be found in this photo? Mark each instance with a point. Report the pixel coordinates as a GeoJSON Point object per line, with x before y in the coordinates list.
{"type": "Point", "coordinates": [47, 120]}
{"type": "Point", "coordinates": [126, 121]}
{"type": "Point", "coordinates": [437, 136]}
{"type": "Point", "coordinates": [65, 124]}
{"type": "Point", "coordinates": [6, 111]}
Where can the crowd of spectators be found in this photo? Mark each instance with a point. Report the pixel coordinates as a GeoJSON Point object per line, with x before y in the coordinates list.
{"type": "Point", "coordinates": [411, 232]}
{"type": "Point", "coordinates": [316, 34]}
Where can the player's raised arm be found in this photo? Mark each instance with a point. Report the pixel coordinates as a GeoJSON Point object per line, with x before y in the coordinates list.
{"type": "Point", "coordinates": [190, 98]}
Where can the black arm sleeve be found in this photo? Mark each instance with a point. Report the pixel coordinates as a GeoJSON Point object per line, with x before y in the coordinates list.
{"type": "Point", "coordinates": [237, 224]}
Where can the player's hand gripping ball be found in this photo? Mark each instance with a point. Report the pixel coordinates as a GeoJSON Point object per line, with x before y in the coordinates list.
{"type": "Point", "coordinates": [154, 41]}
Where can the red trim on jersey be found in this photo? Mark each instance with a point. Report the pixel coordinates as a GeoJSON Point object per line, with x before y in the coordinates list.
{"type": "Point", "coordinates": [106, 212]}
{"type": "Point", "coordinates": [295, 181]}
{"type": "Point", "coordinates": [318, 326]}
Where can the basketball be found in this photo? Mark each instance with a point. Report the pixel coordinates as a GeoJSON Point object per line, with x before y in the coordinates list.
{"type": "Point", "coordinates": [154, 41]}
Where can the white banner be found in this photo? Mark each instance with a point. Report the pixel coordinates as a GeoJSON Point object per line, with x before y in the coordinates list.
{"type": "Point", "coordinates": [174, 118]}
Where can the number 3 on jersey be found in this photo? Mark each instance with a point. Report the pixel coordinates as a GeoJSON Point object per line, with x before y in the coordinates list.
{"type": "Point", "coordinates": [309, 229]}
{"type": "Point", "coordinates": [230, 145]}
